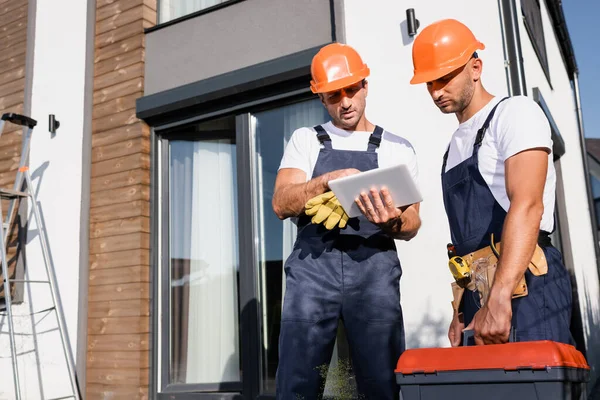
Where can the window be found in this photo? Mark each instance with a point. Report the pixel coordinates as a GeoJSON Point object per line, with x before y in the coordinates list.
{"type": "Point", "coordinates": [172, 9]}
{"type": "Point", "coordinates": [532, 14]}
{"type": "Point", "coordinates": [596, 194]}
{"type": "Point", "coordinates": [273, 129]}
{"type": "Point", "coordinates": [201, 271]}
{"type": "Point", "coordinates": [220, 298]}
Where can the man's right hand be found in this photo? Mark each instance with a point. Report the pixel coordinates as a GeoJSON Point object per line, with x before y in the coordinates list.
{"type": "Point", "coordinates": [455, 331]}
{"type": "Point", "coordinates": [340, 173]}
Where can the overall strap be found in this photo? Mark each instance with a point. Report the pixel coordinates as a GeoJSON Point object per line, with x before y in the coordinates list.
{"type": "Point", "coordinates": [323, 137]}
{"type": "Point", "coordinates": [486, 125]}
{"type": "Point", "coordinates": [375, 139]}
{"type": "Point", "coordinates": [445, 160]}
{"type": "Point", "coordinates": [478, 138]}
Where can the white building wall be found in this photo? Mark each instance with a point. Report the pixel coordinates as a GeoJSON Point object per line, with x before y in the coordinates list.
{"type": "Point", "coordinates": [56, 168]}
{"type": "Point", "coordinates": [561, 102]}
{"type": "Point", "coordinates": [377, 30]}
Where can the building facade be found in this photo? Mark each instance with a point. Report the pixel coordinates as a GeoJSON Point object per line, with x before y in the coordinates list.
{"type": "Point", "coordinates": [156, 188]}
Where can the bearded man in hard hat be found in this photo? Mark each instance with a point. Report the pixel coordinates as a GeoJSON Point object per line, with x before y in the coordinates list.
{"type": "Point", "coordinates": [498, 179]}
{"type": "Point", "coordinates": [340, 268]}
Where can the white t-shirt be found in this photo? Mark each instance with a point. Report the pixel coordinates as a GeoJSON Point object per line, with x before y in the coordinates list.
{"type": "Point", "coordinates": [518, 124]}
{"type": "Point", "coordinates": [303, 148]}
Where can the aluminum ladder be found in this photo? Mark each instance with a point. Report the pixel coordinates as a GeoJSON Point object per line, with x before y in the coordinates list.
{"type": "Point", "coordinates": [23, 189]}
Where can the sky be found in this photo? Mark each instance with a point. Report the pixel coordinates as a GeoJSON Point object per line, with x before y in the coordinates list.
{"type": "Point", "coordinates": [583, 23]}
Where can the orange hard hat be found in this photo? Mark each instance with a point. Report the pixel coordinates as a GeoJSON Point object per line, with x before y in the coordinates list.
{"type": "Point", "coordinates": [336, 66]}
{"type": "Point", "coordinates": [441, 48]}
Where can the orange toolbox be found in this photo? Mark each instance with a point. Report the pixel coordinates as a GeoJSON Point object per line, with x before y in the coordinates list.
{"type": "Point", "coordinates": [541, 370]}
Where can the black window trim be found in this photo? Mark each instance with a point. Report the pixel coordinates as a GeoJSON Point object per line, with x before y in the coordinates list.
{"type": "Point", "coordinates": [545, 66]}
{"type": "Point", "coordinates": [251, 386]}
{"type": "Point", "coordinates": [185, 17]}
{"type": "Point", "coordinates": [558, 147]}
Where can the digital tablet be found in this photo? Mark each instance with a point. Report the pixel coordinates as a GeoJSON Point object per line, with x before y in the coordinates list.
{"type": "Point", "coordinates": [397, 179]}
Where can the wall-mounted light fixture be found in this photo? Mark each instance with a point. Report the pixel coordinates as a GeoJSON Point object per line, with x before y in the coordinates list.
{"type": "Point", "coordinates": [411, 22]}
{"type": "Point", "coordinates": [53, 124]}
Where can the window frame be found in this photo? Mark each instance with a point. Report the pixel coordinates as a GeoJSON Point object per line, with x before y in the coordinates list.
{"type": "Point", "coordinates": [250, 317]}
{"type": "Point", "coordinates": [542, 54]}
{"type": "Point", "coordinates": [160, 25]}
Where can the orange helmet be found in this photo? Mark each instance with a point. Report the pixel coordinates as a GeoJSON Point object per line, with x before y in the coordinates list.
{"type": "Point", "coordinates": [441, 48]}
{"type": "Point", "coordinates": [336, 66]}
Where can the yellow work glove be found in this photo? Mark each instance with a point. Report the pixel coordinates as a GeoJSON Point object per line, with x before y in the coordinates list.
{"type": "Point", "coordinates": [313, 205]}
{"type": "Point", "coordinates": [326, 207]}
{"type": "Point", "coordinates": [337, 218]}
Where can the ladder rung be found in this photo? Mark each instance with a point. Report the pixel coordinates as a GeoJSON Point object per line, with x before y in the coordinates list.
{"type": "Point", "coordinates": [10, 194]}
{"type": "Point", "coordinates": [25, 281]}
{"type": "Point", "coordinates": [62, 398]}
{"type": "Point", "coordinates": [30, 314]}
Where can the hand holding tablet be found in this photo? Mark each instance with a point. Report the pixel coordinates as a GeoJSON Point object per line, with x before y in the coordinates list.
{"type": "Point", "coordinates": [397, 179]}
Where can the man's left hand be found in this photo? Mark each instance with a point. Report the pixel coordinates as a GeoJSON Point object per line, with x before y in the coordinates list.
{"type": "Point", "coordinates": [492, 322]}
{"type": "Point", "coordinates": [380, 212]}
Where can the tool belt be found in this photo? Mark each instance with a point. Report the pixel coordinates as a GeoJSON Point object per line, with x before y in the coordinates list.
{"type": "Point", "coordinates": [463, 273]}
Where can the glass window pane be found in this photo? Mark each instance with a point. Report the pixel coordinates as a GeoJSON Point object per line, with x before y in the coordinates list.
{"type": "Point", "coordinates": [273, 129]}
{"type": "Point", "coordinates": [171, 9]}
{"type": "Point", "coordinates": [203, 235]}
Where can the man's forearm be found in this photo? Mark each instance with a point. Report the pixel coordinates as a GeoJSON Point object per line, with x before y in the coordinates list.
{"type": "Point", "coordinates": [406, 226]}
{"type": "Point", "coordinates": [289, 200]}
{"type": "Point", "coordinates": [519, 237]}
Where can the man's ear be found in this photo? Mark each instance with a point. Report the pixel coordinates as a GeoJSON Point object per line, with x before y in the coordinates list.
{"type": "Point", "coordinates": [476, 69]}
{"type": "Point", "coordinates": [366, 86]}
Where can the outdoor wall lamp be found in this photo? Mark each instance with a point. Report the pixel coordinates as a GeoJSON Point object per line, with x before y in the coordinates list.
{"type": "Point", "coordinates": [53, 124]}
{"type": "Point", "coordinates": [411, 22]}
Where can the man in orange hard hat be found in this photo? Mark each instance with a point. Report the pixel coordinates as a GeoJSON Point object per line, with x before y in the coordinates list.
{"type": "Point", "coordinates": [498, 181]}
{"type": "Point", "coordinates": [341, 268]}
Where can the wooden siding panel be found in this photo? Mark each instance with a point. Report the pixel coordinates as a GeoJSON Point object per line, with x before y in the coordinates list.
{"type": "Point", "coordinates": [125, 148]}
{"type": "Point", "coordinates": [11, 6]}
{"type": "Point", "coordinates": [119, 245]}
{"type": "Point", "coordinates": [118, 325]}
{"type": "Point", "coordinates": [138, 273]}
{"type": "Point", "coordinates": [119, 61]}
{"type": "Point", "coordinates": [119, 76]}
{"type": "Point", "coordinates": [119, 259]}
{"type": "Point", "coordinates": [108, 167]}
{"type": "Point", "coordinates": [12, 101]}
{"type": "Point", "coordinates": [127, 343]}
{"type": "Point", "coordinates": [10, 75]}
{"type": "Point", "coordinates": [15, 86]}
{"type": "Point", "coordinates": [99, 391]}
{"type": "Point", "coordinates": [118, 359]}
{"type": "Point", "coordinates": [120, 48]}
{"type": "Point", "coordinates": [16, 14]}
{"type": "Point", "coordinates": [17, 61]}
{"type": "Point", "coordinates": [120, 227]}
{"type": "Point", "coordinates": [119, 211]}
{"type": "Point", "coordinates": [114, 9]}
{"type": "Point", "coordinates": [130, 241]}
{"type": "Point", "coordinates": [12, 27]}
{"type": "Point", "coordinates": [122, 376]}
{"type": "Point", "coordinates": [121, 195]}
{"type": "Point", "coordinates": [120, 134]}
{"type": "Point", "coordinates": [121, 179]}
{"type": "Point", "coordinates": [122, 89]}
{"type": "Point", "coordinates": [122, 291]}
{"type": "Point", "coordinates": [10, 151]}
{"type": "Point", "coordinates": [119, 308]}
{"type": "Point", "coordinates": [137, 13]}
{"type": "Point", "coordinates": [109, 122]}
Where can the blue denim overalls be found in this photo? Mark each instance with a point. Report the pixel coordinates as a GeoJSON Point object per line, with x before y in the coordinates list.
{"type": "Point", "coordinates": [473, 214]}
{"type": "Point", "coordinates": [351, 274]}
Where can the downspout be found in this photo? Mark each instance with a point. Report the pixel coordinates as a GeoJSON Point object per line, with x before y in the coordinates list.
{"type": "Point", "coordinates": [515, 73]}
